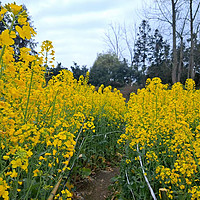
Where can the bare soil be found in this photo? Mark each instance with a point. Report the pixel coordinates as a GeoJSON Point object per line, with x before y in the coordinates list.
{"type": "Point", "coordinates": [96, 187]}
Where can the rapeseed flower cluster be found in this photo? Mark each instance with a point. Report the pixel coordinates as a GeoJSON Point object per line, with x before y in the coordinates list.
{"type": "Point", "coordinates": [163, 129]}
{"type": "Point", "coordinates": [39, 121]}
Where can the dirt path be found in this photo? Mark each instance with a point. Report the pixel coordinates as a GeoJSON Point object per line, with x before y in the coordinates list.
{"type": "Point", "coordinates": [96, 188]}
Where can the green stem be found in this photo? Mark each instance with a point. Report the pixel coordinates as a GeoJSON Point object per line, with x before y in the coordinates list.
{"type": "Point", "coordinates": [4, 170]}
{"type": "Point", "coordinates": [26, 196]}
{"type": "Point", "coordinates": [53, 109]}
{"type": "Point", "coordinates": [39, 188]}
{"type": "Point", "coordinates": [5, 24]}
{"type": "Point", "coordinates": [2, 52]}
{"type": "Point", "coordinates": [14, 193]}
{"type": "Point", "coordinates": [29, 93]}
{"type": "Point", "coordinates": [51, 104]}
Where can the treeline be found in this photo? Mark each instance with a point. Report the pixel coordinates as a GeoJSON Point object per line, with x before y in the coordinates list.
{"type": "Point", "coordinates": [152, 57]}
{"type": "Point", "coordinates": [171, 53]}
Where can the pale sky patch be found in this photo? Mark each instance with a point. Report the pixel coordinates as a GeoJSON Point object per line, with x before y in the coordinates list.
{"type": "Point", "coordinates": [77, 27]}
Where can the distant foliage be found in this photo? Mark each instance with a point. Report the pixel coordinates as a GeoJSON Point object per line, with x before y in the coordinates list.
{"type": "Point", "coordinates": [109, 70]}
{"type": "Point", "coordinates": [78, 71]}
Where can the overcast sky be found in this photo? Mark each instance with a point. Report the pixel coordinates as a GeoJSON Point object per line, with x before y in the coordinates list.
{"type": "Point", "coordinates": [77, 27]}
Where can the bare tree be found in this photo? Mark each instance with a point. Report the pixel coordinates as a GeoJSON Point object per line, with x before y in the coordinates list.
{"type": "Point", "coordinates": [113, 38]}
{"type": "Point", "coordinates": [171, 13]}
{"type": "Point", "coordinates": [129, 40]}
{"type": "Point", "coordinates": [180, 35]}
{"type": "Point", "coordinates": [120, 40]}
{"type": "Point", "coordinates": [181, 15]}
{"type": "Point", "coordinates": [175, 61]}
{"type": "Point", "coordinates": [191, 71]}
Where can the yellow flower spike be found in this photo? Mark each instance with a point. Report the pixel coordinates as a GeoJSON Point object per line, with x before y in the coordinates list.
{"type": "Point", "coordinates": [182, 187]}
{"type": "Point", "coordinates": [46, 51]}
{"type": "Point", "coordinates": [8, 58]}
{"type": "Point", "coordinates": [25, 166]}
{"type": "Point", "coordinates": [49, 143]}
{"type": "Point", "coordinates": [15, 9]}
{"type": "Point", "coordinates": [128, 161]}
{"type": "Point", "coordinates": [190, 84]}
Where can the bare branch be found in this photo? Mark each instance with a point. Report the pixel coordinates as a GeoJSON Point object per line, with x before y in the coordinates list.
{"type": "Point", "coordinates": [163, 14]}
{"type": "Point", "coordinates": [113, 39]}
{"type": "Point", "coordinates": [196, 11]}
{"type": "Point", "coordinates": [127, 41]}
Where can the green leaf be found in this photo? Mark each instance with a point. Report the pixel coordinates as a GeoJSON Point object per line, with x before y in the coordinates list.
{"type": "Point", "coordinates": [85, 172]}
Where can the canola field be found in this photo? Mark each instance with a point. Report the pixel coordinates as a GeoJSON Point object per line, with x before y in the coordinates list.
{"type": "Point", "coordinates": [44, 127]}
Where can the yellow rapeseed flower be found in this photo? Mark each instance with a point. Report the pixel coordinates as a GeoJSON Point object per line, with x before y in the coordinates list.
{"type": "Point", "coordinates": [16, 163]}
{"type": "Point", "coordinates": [6, 157]}
{"type": "Point", "coordinates": [15, 9]}
{"type": "Point", "coordinates": [6, 38]}
{"type": "Point", "coordinates": [2, 12]}
{"type": "Point", "coordinates": [14, 174]}
{"type": "Point", "coordinates": [25, 32]}
{"type": "Point", "coordinates": [3, 189]}
{"type": "Point", "coordinates": [36, 172]}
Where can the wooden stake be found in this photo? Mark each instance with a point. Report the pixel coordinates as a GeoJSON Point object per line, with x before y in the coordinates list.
{"type": "Point", "coordinates": [163, 193]}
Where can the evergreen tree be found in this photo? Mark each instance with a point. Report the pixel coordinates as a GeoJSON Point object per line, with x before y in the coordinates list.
{"type": "Point", "coordinates": [141, 52]}
{"type": "Point", "coordinates": [121, 74]}
{"type": "Point", "coordinates": [109, 70]}
{"type": "Point", "coordinates": [102, 69]}
{"type": "Point", "coordinates": [54, 71]}
{"type": "Point", "coordinates": [78, 71]}
{"type": "Point", "coordinates": [159, 58]}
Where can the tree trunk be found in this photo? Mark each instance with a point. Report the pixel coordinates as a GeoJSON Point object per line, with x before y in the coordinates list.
{"type": "Point", "coordinates": [174, 67]}
{"type": "Point", "coordinates": [191, 73]}
{"type": "Point", "coordinates": [180, 61]}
